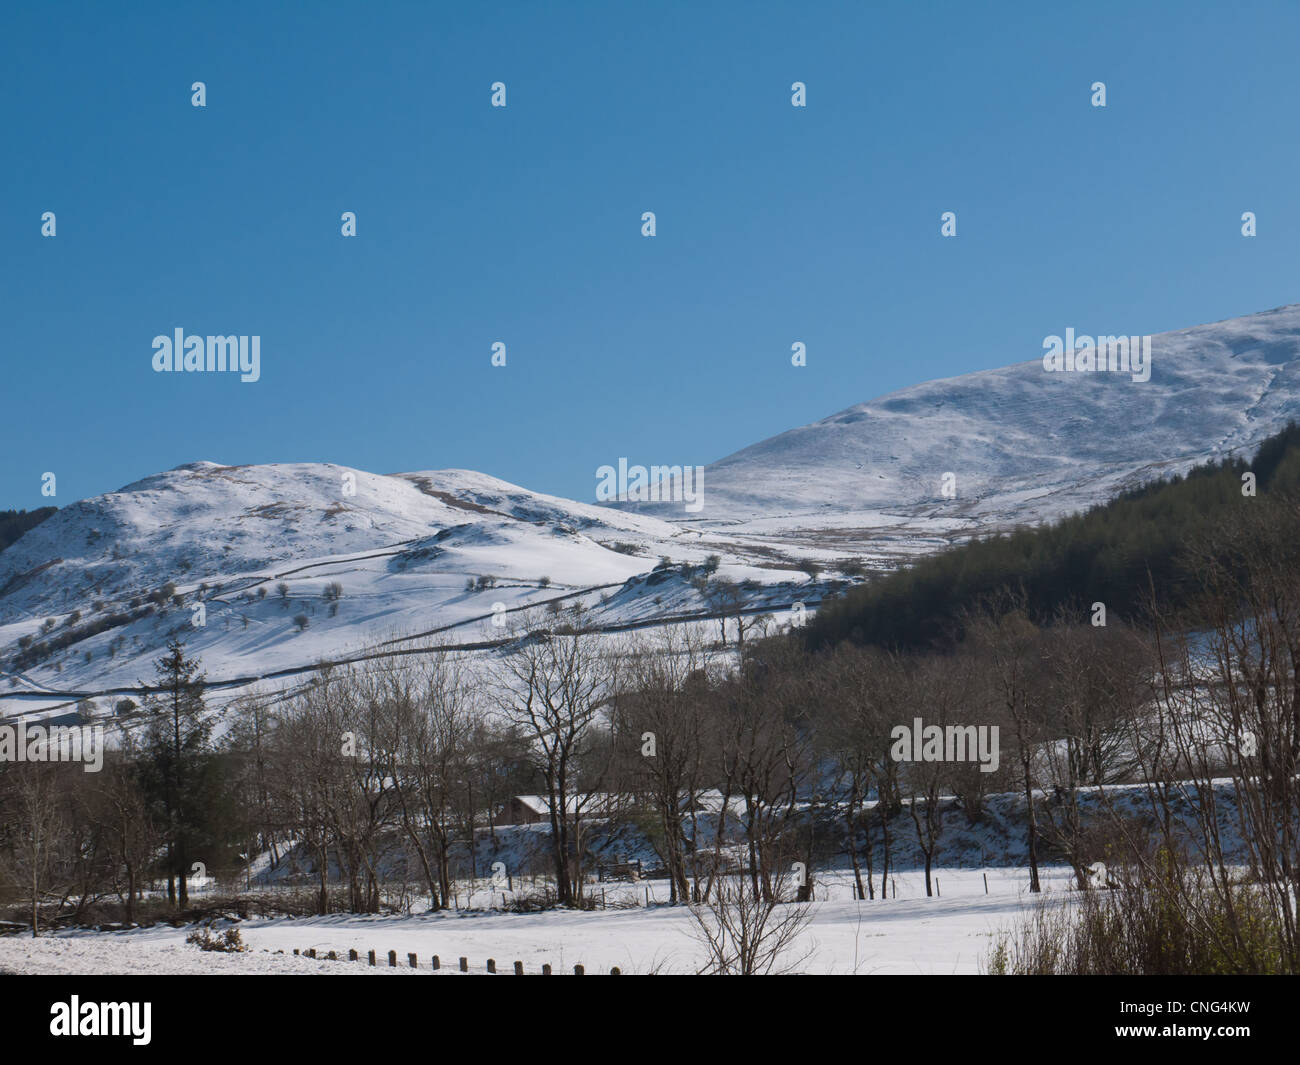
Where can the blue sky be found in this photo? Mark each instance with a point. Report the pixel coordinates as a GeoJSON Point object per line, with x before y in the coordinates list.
{"type": "Point", "coordinates": [523, 224]}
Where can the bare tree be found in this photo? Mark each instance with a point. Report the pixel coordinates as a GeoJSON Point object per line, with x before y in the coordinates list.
{"type": "Point", "coordinates": [36, 823]}
{"type": "Point", "coordinates": [744, 934]}
{"type": "Point", "coordinates": [935, 695]}
{"type": "Point", "coordinates": [431, 735]}
{"type": "Point", "coordinates": [1008, 644]}
{"type": "Point", "coordinates": [765, 756]}
{"type": "Point", "coordinates": [132, 835]}
{"type": "Point", "coordinates": [552, 683]}
{"type": "Point", "coordinates": [658, 718]}
{"type": "Point", "coordinates": [853, 697]}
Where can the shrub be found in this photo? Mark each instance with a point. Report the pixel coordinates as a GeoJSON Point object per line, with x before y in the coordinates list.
{"type": "Point", "coordinates": [229, 942]}
{"type": "Point", "coordinates": [1161, 918]}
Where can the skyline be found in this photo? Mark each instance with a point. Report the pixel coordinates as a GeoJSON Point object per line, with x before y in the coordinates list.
{"type": "Point", "coordinates": [521, 225]}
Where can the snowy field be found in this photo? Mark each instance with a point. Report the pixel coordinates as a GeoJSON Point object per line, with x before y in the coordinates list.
{"type": "Point", "coordinates": [904, 935]}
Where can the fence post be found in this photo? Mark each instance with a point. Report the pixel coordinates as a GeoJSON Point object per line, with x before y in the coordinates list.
{"type": "Point", "coordinates": [616, 971]}
{"type": "Point", "coordinates": [295, 950]}
{"type": "Point", "coordinates": [332, 956]}
{"type": "Point", "coordinates": [492, 965]}
{"type": "Point", "coordinates": [578, 970]}
{"type": "Point", "coordinates": [352, 955]}
{"type": "Point", "coordinates": [411, 959]}
{"type": "Point", "coordinates": [464, 965]}
{"type": "Point", "coordinates": [372, 957]}
{"type": "Point", "coordinates": [519, 968]}
{"type": "Point", "coordinates": [546, 969]}
{"type": "Point", "coordinates": [986, 883]}
{"type": "Point", "coordinates": [311, 952]}
{"type": "Point", "coordinates": [392, 959]}
{"type": "Point", "coordinates": [936, 887]}
{"type": "Point", "coordinates": [437, 963]}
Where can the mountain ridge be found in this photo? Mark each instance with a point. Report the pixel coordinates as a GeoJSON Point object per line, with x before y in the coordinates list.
{"type": "Point", "coordinates": [99, 586]}
{"type": "Point", "coordinates": [1232, 383]}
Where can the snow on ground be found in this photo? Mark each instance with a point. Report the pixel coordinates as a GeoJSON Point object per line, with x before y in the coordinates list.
{"type": "Point", "coordinates": [909, 934]}
{"type": "Point", "coordinates": [117, 952]}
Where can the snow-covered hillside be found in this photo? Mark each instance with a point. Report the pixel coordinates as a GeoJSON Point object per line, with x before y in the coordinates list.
{"type": "Point", "coordinates": [89, 598]}
{"type": "Point", "coordinates": [294, 564]}
{"type": "Point", "coordinates": [1023, 443]}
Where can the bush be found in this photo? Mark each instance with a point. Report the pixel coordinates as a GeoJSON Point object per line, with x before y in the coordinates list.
{"type": "Point", "coordinates": [229, 942]}
{"type": "Point", "coordinates": [302, 621]}
{"type": "Point", "coordinates": [163, 594]}
{"type": "Point", "coordinates": [1166, 919]}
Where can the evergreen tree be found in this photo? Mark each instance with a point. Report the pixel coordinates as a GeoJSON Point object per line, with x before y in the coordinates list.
{"type": "Point", "coordinates": [177, 761]}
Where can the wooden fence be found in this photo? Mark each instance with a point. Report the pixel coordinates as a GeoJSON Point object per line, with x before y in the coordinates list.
{"type": "Point", "coordinates": [435, 963]}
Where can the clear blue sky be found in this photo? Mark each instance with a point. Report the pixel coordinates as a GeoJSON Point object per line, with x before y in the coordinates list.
{"type": "Point", "coordinates": [522, 224]}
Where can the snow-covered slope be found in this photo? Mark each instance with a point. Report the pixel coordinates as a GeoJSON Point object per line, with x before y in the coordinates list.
{"type": "Point", "coordinates": [206, 522]}
{"type": "Point", "coordinates": [1023, 443]}
{"type": "Point", "coordinates": [297, 563]}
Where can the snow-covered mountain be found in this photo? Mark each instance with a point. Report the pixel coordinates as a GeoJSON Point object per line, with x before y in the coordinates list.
{"type": "Point", "coordinates": [204, 522]}
{"type": "Point", "coordinates": [1023, 443]}
{"type": "Point", "coordinates": [89, 597]}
